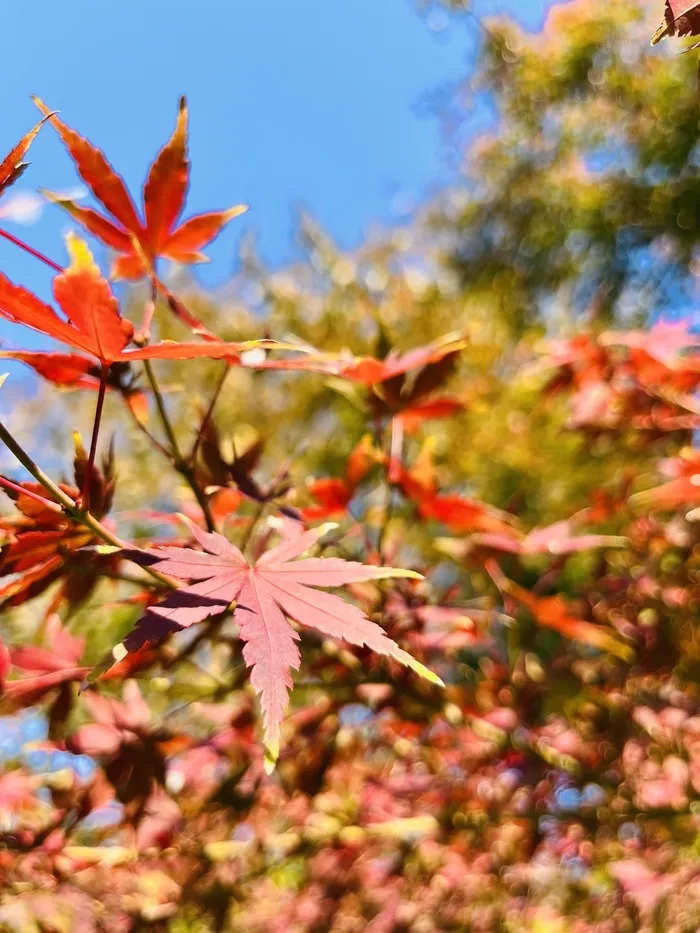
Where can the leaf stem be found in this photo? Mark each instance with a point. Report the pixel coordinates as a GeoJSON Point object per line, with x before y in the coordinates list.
{"type": "Point", "coordinates": [15, 487]}
{"type": "Point", "coordinates": [156, 444]}
{"type": "Point", "coordinates": [30, 249]}
{"type": "Point", "coordinates": [208, 416]}
{"type": "Point", "coordinates": [58, 494]}
{"type": "Point", "coordinates": [104, 373]}
{"type": "Point", "coordinates": [180, 464]}
{"type": "Point", "coordinates": [253, 523]}
{"type": "Point", "coordinates": [163, 412]}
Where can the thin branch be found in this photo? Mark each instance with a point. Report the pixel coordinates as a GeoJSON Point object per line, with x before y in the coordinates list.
{"type": "Point", "coordinates": [58, 494]}
{"type": "Point", "coordinates": [154, 442]}
{"type": "Point", "coordinates": [208, 416]}
{"type": "Point", "coordinates": [253, 523]}
{"type": "Point", "coordinates": [30, 249]}
{"type": "Point", "coordinates": [163, 412]}
{"type": "Point", "coordinates": [182, 467]}
{"type": "Point", "coordinates": [15, 487]}
{"type": "Point", "coordinates": [104, 373]}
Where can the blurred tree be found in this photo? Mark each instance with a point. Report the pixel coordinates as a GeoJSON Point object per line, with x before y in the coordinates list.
{"type": "Point", "coordinates": [585, 195]}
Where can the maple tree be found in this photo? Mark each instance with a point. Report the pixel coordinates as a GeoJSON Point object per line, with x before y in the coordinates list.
{"type": "Point", "coordinates": [197, 735]}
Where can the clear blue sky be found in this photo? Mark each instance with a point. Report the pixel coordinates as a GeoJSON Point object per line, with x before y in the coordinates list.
{"type": "Point", "coordinates": [293, 102]}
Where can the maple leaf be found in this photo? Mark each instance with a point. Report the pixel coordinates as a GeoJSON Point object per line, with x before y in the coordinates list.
{"type": "Point", "coordinates": [664, 342]}
{"type": "Point", "coordinates": [74, 371]}
{"type": "Point", "coordinates": [332, 494]}
{"type": "Point", "coordinates": [49, 668]}
{"type": "Point", "coordinates": [556, 539]}
{"type": "Point", "coordinates": [552, 612]}
{"type": "Point", "coordinates": [68, 370]}
{"type": "Point", "coordinates": [268, 592]}
{"type": "Point", "coordinates": [369, 371]}
{"type": "Point", "coordinates": [681, 18]}
{"type": "Point", "coordinates": [13, 164]}
{"type": "Point", "coordinates": [132, 748]}
{"type": "Point", "coordinates": [141, 241]}
{"type": "Point", "coordinates": [94, 324]}
{"type": "Point", "coordinates": [611, 389]}
{"type": "Point", "coordinates": [44, 545]}
{"type": "Point", "coordinates": [216, 473]}
{"type": "Point", "coordinates": [682, 489]}
{"type": "Point", "coordinates": [408, 395]}
{"type": "Point", "coordinates": [461, 514]}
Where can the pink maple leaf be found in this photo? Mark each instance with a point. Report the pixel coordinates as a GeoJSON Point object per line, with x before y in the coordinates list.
{"type": "Point", "coordinates": [267, 593]}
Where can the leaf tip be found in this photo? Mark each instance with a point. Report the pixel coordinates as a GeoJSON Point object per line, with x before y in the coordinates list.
{"type": "Point", "coordinates": [236, 211]}
{"type": "Point", "coordinates": [272, 753]}
{"type": "Point", "coordinates": [46, 112]}
{"type": "Point", "coordinates": [79, 446]}
{"type": "Point", "coordinates": [81, 259]}
{"type": "Point", "coordinates": [383, 573]}
{"type": "Point", "coordinates": [426, 673]}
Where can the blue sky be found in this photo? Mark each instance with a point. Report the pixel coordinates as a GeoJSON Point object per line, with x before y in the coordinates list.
{"type": "Point", "coordinates": [293, 102]}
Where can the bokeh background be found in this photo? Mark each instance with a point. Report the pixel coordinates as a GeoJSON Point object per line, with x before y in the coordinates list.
{"type": "Point", "coordinates": [523, 174]}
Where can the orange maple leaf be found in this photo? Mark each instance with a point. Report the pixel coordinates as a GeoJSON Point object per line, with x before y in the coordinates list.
{"type": "Point", "coordinates": [93, 321]}
{"type": "Point", "coordinates": [141, 241]}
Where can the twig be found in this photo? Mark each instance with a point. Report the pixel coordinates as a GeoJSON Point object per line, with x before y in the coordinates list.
{"type": "Point", "coordinates": [155, 443]}
{"type": "Point", "coordinates": [179, 463]}
{"type": "Point", "coordinates": [15, 487]}
{"type": "Point", "coordinates": [208, 416]}
{"type": "Point", "coordinates": [253, 522]}
{"type": "Point", "coordinates": [30, 249]}
{"type": "Point", "coordinates": [104, 373]}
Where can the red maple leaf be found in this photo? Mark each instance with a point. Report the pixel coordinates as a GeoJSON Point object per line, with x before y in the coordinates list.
{"type": "Point", "coordinates": [275, 588]}
{"type": "Point", "coordinates": [334, 494]}
{"type": "Point", "coordinates": [665, 342]}
{"type": "Point", "coordinates": [68, 370]}
{"type": "Point", "coordinates": [552, 612]}
{"type": "Point", "coordinates": [13, 164]}
{"type": "Point", "coordinates": [141, 241]}
{"type": "Point", "coordinates": [370, 371]}
{"type": "Point", "coordinates": [230, 480]}
{"type": "Point", "coordinates": [93, 322]}
{"type": "Point", "coordinates": [74, 371]}
{"type": "Point", "coordinates": [43, 544]}
{"type": "Point", "coordinates": [461, 514]}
